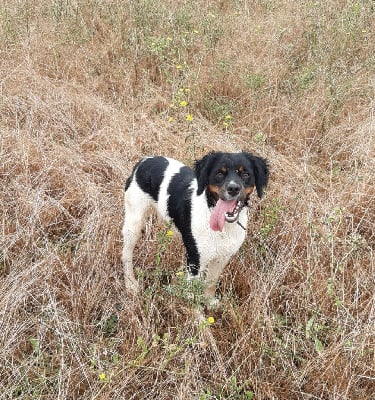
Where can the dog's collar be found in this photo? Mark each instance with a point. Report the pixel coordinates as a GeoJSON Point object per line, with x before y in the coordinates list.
{"type": "Point", "coordinates": [232, 216]}
{"type": "Point", "coordinates": [239, 223]}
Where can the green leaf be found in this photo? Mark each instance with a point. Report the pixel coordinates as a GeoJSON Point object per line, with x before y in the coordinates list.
{"type": "Point", "coordinates": [318, 345]}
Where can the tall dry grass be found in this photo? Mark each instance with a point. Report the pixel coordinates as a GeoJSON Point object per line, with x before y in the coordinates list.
{"type": "Point", "coordinates": [88, 87]}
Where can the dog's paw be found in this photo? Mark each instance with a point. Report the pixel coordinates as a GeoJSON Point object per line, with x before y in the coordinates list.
{"type": "Point", "coordinates": [131, 286]}
{"type": "Point", "coordinates": [213, 303]}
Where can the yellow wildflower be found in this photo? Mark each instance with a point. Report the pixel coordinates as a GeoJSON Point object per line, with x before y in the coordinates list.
{"type": "Point", "coordinates": [102, 377]}
{"type": "Point", "coordinates": [183, 103]}
{"type": "Point", "coordinates": [189, 118]}
{"type": "Point", "coordinates": [169, 233]}
{"type": "Point", "coordinates": [210, 320]}
{"type": "Point", "coordinates": [170, 119]}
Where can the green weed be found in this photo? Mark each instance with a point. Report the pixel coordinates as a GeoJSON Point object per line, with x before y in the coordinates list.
{"type": "Point", "coordinates": [254, 80]}
{"type": "Point", "coordinates": [164, 238]}
{"type": "Point", "coordinates": [270, 215]}
{"type": "Point", "coordinates": [232, 390]}
{"type": "Point", "coordinates": [313, 330]}
{"type": "Point", "coordinates": [189, 290]}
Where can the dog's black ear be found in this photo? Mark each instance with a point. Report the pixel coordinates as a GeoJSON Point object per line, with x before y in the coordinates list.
{"type": "Point", "coordinates": [202, 168]}
{"type": "Point", "coordinates": [261, 172]}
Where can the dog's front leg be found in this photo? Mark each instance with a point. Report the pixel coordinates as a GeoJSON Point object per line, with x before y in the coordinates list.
{"type": "Point", "coordinates": [212, 275]}
{"type": "Point", "coordinates": [131, 283]}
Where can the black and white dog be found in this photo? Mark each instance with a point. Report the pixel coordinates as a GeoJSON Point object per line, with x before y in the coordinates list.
{"type": "Point", "coordinates": [207, 205]}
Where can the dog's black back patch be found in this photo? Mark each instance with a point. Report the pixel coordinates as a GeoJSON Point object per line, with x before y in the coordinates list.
{"type": "Point", "coordinates": [149, 175]}
{"type": "Point", "coordinates": [179, 209]}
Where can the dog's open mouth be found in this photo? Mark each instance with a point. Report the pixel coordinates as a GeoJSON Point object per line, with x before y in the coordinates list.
{"type": "Point", "coordinates": [225, 211]}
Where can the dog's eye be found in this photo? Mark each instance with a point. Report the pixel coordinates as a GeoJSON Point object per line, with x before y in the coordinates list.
{"type": "Point", "coordinates": [243, 174]}
{"type": "Point", "coordinates": [220, 174]}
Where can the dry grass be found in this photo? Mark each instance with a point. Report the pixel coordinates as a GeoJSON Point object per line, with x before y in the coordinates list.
{"type": "Point", "coordinates": [86, 88]}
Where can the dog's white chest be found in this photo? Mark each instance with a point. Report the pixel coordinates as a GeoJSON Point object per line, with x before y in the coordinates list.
{"type": "Point", "coordinates": [214, 245]}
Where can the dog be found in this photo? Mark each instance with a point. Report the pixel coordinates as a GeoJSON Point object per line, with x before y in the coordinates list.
{"type": "Point", "coordinates": [207, 205]}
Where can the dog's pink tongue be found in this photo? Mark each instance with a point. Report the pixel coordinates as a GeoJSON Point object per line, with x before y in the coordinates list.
{"type": "Point", "coordinates": [217, 219]}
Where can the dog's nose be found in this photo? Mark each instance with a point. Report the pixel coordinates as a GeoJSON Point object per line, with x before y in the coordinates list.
{"type": "Point", "coordinates": [233, 188]}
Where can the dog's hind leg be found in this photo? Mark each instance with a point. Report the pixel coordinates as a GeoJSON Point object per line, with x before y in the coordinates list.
{"type": "Point", "coordinates": [136, 210]}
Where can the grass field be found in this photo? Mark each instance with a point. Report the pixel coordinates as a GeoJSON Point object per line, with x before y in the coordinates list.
{"type": "Point", "coordinates": [87, 87]}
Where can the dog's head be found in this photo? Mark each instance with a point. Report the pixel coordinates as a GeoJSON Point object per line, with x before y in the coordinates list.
{"type": "Point", "coordinates": [230, 178]}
